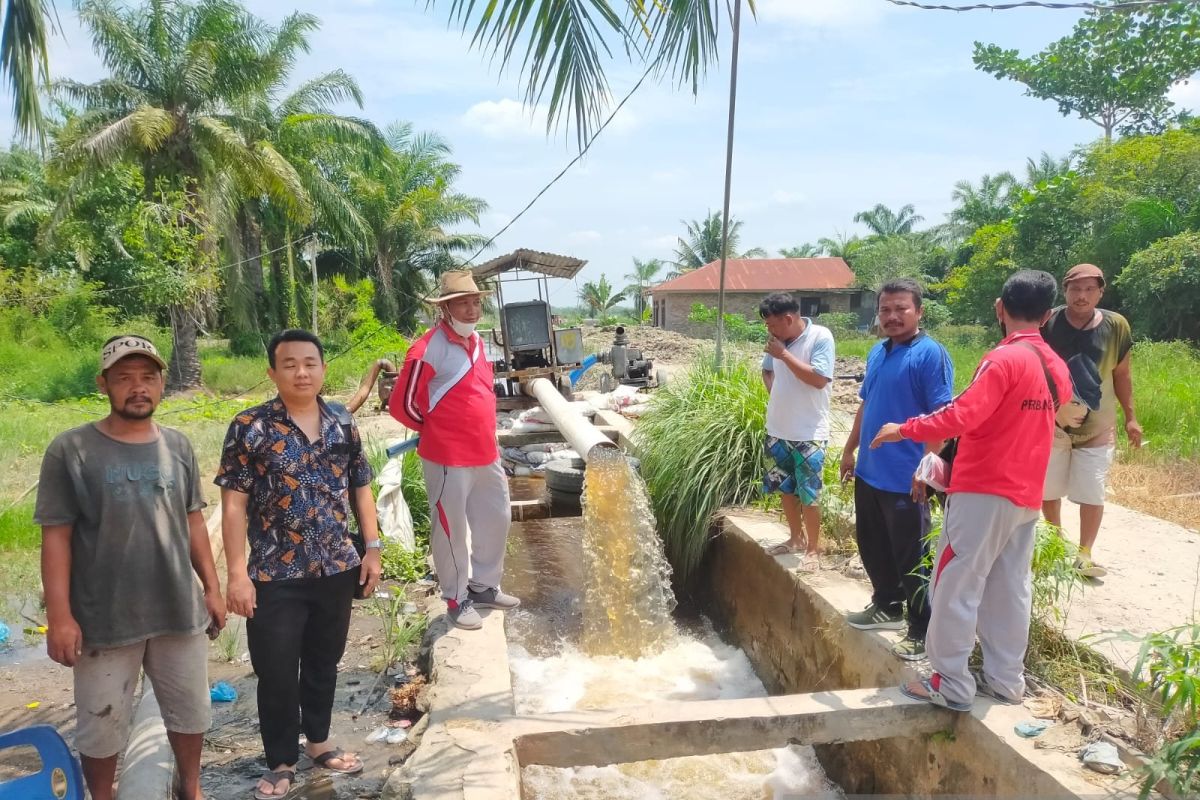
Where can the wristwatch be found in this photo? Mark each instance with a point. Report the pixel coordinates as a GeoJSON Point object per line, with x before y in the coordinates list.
{"type": "Point", "coordinates": [374, 544]}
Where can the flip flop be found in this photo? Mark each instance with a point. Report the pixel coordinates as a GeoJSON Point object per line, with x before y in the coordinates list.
{"type": "Point", "coordinates": [932, 696]}
{"type": "Point", "coordinates": [340, 754]}
{"type": "Point", "coordinates": [273, 777]}
{"type": "Point", "coordinates": [784, 549]}
{"type": "Point", "coordinates": [809, 562]}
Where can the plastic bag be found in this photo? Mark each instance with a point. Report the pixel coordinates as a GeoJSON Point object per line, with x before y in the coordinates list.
{"type": "Point", "coordinates": [222, 692]}
{"type": "Point", "coordinates": [933, 471]}
{"type": "Point", "coordinates": [395, 518]}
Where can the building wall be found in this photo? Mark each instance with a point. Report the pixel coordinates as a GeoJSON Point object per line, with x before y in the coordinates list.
{"type": "Point", "coordinates": [677, 305]}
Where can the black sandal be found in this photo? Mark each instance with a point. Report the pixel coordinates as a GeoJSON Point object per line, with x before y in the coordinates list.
{"type": "Point", "coordinates": [340, 754]}
{"type": "Point", "coordinates": [273, 777]}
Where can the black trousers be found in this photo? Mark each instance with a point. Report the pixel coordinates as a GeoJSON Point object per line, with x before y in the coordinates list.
{"type": "Point", "coordinates": [891, 531]}
{"type": "Point", "coordinates": [296, 638]}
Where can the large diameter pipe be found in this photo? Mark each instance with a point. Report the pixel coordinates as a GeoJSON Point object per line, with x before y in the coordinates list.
{"type": "Point", "coordinates": [582, 435]}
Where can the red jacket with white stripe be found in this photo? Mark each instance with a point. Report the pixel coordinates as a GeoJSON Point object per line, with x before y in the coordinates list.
{"type": "Point", "coordinates": [1005, 419]}
{"type": "Point", "coordinates": [445, 393]}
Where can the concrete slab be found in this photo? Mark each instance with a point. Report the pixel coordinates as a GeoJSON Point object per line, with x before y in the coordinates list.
{"type": "Point", "coordinates": [676, 729]}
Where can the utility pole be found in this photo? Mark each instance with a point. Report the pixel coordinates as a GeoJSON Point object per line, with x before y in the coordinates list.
{"type": "Point", "coordinates": [733, 70]}
{"type": "Point", "coordinates": [311, 248]}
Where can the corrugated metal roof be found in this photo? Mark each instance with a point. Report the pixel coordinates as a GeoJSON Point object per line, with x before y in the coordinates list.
{"type": "Point", "coordinates": [531, 261]}
{"type": "Point", "coordinates": [765, 275]}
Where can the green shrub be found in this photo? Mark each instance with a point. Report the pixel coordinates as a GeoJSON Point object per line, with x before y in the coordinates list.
{"type": "Point", "coordinates": [737, 327]}
{"type": "Point", "coordinates": [1161, 288]}
{"type": "Point", "coordinates": [935, 314]}
{"type": "Point", "coordinates": [701, 449]}
{"type": "Point", "coordinates": [841, 323]}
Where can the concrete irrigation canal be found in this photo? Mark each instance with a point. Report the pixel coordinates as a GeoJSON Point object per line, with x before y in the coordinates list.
{"type": "Point", "coordinates": [599, 688]}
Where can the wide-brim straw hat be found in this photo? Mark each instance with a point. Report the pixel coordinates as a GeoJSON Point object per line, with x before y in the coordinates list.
{"type": "Point", "coordinates": [457, 283]}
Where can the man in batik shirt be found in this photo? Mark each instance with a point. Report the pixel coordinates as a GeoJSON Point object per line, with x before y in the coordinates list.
{"type": "Point", "coordinates": [286, 476]}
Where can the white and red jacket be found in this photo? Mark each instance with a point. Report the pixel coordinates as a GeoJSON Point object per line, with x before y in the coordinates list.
{"type": "Point", "coordinates": [1005, 419]}
{"type": "Point", "coordinates": [445, 393]}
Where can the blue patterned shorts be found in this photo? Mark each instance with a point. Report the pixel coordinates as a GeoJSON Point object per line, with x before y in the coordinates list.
{"type": "Point", "coordinates": [795, 468]}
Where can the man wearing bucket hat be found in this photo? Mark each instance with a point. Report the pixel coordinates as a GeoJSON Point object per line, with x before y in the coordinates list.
{"type": "Point", "coordinates": [1095, 343]}
{"type": "Point", "coordinates": [445, 393]}
{"type": "Point", "coordinates": [123, 541]}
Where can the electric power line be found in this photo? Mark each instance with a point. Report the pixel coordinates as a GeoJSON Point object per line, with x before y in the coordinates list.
{"type": "Point", "coordinates": [1086, 6]}
{"type": "Point", "coordinates": [572, 162]}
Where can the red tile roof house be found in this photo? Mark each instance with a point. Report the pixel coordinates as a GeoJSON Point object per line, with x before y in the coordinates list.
{"type": "Point", "coordinates": [821, 285]}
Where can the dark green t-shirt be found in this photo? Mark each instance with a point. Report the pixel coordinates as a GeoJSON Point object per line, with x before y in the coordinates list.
{"type": "Point", "coordinates": [1091, 354]}
{"type": "Point", "coordinates": [131, 568]}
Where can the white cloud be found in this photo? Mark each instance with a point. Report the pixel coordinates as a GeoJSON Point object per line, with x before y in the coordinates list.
{"type": "Point", "coordinates": [821, 13]}
{"type": "Point", "coordinates": [503, 119]}
{"type": "Point", "coordinates": [584, 237]}
{"type": "Point", "coordinates": [1185, 95]}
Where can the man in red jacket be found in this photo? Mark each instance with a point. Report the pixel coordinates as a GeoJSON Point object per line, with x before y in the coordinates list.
{"type": "Point", "coordinates": [445, 393]}
{"type": "Point", "coordinates": [981, 582]}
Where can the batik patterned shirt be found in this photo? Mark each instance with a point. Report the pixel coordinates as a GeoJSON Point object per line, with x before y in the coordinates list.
{"type": "Point", "coordinates": [299, 507]}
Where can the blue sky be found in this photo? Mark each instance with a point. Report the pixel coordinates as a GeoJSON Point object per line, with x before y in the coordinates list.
{"type": "Point", "coordinates": [841, 104]}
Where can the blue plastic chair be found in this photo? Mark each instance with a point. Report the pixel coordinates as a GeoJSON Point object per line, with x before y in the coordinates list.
{"type": "Point", "coordinates": [60, 777]}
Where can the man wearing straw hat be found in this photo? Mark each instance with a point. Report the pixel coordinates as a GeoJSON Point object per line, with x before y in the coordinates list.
{"type": "Point", "coordinates": [445, 393]}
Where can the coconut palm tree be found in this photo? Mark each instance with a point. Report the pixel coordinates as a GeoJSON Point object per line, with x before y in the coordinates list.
{"type": "Point", "coordinates": [839, 245]}
{"type": "Point", "coordinates": [990, 202]}
{"type": "Point", "coordinates": [313, 139]}
{"type": "Point", "coordinates": [806, 250]}
{"type": "Point", "coordinates": [1045, 169]}
{"type": "Point", "coordinates": [703, 243]}
{"type": "Point", "coordinates": [409, 205]}
{"type": "Point", "coordinates": [883, 221]}
{"type": "Point", "coordinates": [642, 277]}
{"type": "Point", "coordinates": [599, 296]}
{"type": "Point", "coordinates": [176, 102]}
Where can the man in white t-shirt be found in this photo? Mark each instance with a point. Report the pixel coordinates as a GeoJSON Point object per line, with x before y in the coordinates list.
{"type": "Point", "coordinates": [798, 372]}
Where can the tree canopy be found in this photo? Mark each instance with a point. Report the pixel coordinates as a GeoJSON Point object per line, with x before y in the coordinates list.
{"type": "Point", "coordinates": [1114, 69]}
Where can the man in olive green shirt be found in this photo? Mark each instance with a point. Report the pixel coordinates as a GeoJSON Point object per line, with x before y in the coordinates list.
{"type": "Point", "coordinates": [1096, 344]}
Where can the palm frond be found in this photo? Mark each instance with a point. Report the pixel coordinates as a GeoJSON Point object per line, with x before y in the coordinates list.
{"type": "Point", "coordinates": [319, 94]}
{"type": "Point", "coordinates": [24, 58]}
{"type": "Point", "coordinates": [150, 127]}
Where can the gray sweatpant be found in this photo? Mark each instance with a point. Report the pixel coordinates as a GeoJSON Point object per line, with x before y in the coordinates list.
{"type": "Point", "coordinates": [982, 584]}
{"type": "Point", "coordinates": [469, 514]}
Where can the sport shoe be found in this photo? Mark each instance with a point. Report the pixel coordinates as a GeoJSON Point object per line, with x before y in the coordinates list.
{"type": "Point", "coordinates": [985, 689]}
{"type": "Point", "coordinates": [1088, 568]}
{"type": "Point", "coordinates": [909, 649]}
{"type": "Point", "coordinates": [465, 616]}
{"type": "Point", "coordinates": [874, 618]}
{"type": "Point", "coordinates": [493, 598]}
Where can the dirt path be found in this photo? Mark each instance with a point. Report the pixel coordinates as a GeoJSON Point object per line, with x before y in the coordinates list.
{"type": "Point", "coordinates": [1153, 581]}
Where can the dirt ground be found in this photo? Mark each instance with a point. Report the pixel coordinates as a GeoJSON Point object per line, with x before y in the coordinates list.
{"type": "Point", "coordinates": [675, 353]}
{"type": "Point", "coordinates": [232, 759]}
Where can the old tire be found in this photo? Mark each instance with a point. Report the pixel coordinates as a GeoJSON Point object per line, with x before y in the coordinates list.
{"type": "Point", "coordinates": [564, 476]}
{"type": "Point", "coordinates": [565, 504]}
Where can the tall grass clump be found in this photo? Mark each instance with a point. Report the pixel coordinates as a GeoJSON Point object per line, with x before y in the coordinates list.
{"type": "Point", "coordinates": [701, 449]}
{"type": "Point", "coordinates": [1166, 389]}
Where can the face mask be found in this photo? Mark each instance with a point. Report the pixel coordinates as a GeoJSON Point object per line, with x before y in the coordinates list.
{"type": "Point", "coordinates": [463, 329]}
